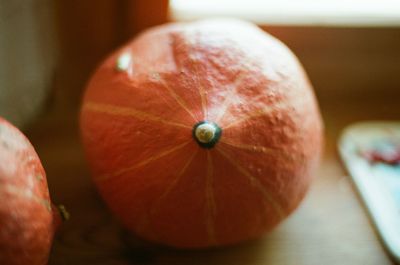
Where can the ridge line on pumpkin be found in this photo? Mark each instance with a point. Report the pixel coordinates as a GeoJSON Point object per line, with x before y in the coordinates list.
{"type": "Point", "coordinates": [128, 112]}
{"type": "Point", "coordinates": [200, 88]}
{"type": "Point", "coordinates": [266, 110]}
{"type": "Point", "coordinates": [156, 205]}
{"type": "Point", "coordinates": [254, 182]}
{"type": "Point", "coordinates": [144, 223]}
{"type": "Point", "coordinates": [256, 148]}
{"type": "Point", "coordinates": [211, 208]}
{"type": "Point", "coordinates": [14, 190]}
{"type": "Point", "coordinates": [143, 162]}
{"type": "Point", "coordinates": [177, 98]}
{"type": "Point", "coordinates": [228, 98]}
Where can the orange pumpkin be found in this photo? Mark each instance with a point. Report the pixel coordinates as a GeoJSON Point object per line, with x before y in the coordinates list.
{"type": "Point", "coordinates": [201, 134]}
{"type": "Point", "coordinates": [28, 221]}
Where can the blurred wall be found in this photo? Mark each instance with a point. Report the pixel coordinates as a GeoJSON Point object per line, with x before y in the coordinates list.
{"type": "Point", "coordinates": [28, 54]}
{"type": "Point", "coordinates": [341, 62]}
{"type": "Point", "coordinates": [89, 30]}
{"type": "Point", "coordinates": [347, 63]}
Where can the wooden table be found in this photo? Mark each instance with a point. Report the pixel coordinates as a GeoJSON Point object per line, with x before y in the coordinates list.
{"type": "Point", "coordinates": [330, 227]}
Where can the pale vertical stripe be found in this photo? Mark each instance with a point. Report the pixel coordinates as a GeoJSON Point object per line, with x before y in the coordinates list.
{"type": "Point", "coordinates": [258, 149]}
{"type": "Point", "coordinates": [177, 98]}
{"type": "Point", "coordinates": [255, 182]}
{"type": "Point", "coordinates": [173, 183]}
{"type": "Point", "coordinates": [144, 162]}
{"type": "Point", "coordinates": [229, 97]}
{"type": "Point", "coordinates": [298, 102]}
{"type": "Point", "coordinates": [129, 112]}
{"type": "Point", "coordinates": [211, 208]}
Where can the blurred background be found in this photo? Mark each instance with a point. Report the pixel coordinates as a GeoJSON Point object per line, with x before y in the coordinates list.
{"type": "Point", "coordinates": [48, 49]}
{"type": "Point", "coordinates": [350, 50]}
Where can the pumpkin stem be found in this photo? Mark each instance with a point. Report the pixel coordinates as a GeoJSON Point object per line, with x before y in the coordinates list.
{"type": "Point", "coordinates": [206, 133]}
{"type": "Point", "coordinates": [60, 215]}
{"type": "Point", "coordinates": [63, 212]}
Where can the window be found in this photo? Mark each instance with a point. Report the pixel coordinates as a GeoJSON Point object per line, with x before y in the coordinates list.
{"type": "Point", "coordinates": [294, 12]}
{"type": "Point", "coordinates": [346, 46]}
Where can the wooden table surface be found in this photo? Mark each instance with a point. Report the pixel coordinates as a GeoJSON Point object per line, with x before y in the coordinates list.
{"type": "Point", "coordinates": [330, 226]}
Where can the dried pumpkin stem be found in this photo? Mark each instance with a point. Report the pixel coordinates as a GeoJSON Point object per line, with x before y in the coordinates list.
{"type": "Point", "coordinates": [206, 134]}
{"type": "Point", "coordinates": [63, 212]}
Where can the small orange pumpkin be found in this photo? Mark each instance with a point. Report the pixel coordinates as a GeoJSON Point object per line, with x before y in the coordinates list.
{"type": "Point", "coordinates": [28, 220]}
{"type": "Point", "coordinates": [201, 134]}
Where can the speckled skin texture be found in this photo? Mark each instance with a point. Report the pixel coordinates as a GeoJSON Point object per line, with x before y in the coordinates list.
{"type": "Point", "coordinates": [27, 223]}
{"type": "Point", "coordinates": [137, 131]}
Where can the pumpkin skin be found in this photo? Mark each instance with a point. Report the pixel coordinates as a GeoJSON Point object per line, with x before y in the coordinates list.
{"type": "Point", "coordinates": [139, 118]}
{"type": "Point", "coordinates": [27, 219]}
